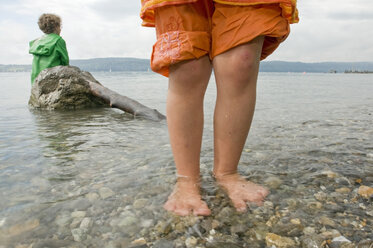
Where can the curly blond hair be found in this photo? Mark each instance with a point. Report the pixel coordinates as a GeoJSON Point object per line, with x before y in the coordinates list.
{"type": "Point", "coordinates": [49, 23]}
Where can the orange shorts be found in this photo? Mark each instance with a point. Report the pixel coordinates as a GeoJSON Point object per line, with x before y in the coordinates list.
{"type": "Point", "coordinates": [190, 31]}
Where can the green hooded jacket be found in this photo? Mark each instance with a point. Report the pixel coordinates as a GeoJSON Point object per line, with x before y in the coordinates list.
{"type": "Point", "coordinates": [49, 51]}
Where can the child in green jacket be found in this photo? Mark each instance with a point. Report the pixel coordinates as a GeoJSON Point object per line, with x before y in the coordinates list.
{"type": "Point", "coordinates": [50, 49]}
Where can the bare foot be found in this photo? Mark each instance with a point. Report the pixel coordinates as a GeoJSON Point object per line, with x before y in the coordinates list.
{"type": "Point", "coordinates": [186, 199]}
{"type": "Point", "coordinates": [241, 191]}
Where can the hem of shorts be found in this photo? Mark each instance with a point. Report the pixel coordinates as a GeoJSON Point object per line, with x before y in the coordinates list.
{"type": "Point", "coordinates": [166, 69]}
{"type": "Point", "coordinates": [213, 55]}
{"type": "Point", "coordinates": [253, 3]}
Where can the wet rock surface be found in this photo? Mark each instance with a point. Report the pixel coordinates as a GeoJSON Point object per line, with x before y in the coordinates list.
{"type": "Point", "coordinates": [63, 87]}
{"type": "Point", "coordinates": [67, 87]}
{"type": "Point", "coordinates": [138, 221]}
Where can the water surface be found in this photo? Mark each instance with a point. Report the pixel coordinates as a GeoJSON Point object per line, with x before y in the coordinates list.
{"type": "Point", "coordinates": [99, 177]}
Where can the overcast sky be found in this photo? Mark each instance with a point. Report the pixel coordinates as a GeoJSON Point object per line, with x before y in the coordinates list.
{"type": "Point", "coordinates": [329, 30]}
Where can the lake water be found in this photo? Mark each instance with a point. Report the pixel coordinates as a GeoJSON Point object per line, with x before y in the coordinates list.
{"type": "Point", "coordinates": [99, 177]}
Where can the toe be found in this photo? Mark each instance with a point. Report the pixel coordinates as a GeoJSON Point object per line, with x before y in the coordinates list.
{"type": "Point", "coordinates": [202, 210]}
{"type": "Point", "coordinates": [240, 205]}
{"type": "Point", "coordinates": [258, 203]}
{"type": "Point", "coordinates": [169, 206]}
{"type": "Point", "coordinates": [182, 211]}
{"type": "Point", "coordinates": [264, 192]}
{"type": "Point", "coordinates": [255, 198]}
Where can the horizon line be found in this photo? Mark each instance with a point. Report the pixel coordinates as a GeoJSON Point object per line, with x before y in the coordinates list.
{"type": "Point", "coordinates": [283, 61]}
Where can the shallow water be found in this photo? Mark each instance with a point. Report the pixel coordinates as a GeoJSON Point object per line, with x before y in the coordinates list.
{"type": "Point", "coordinates": [99, 178]}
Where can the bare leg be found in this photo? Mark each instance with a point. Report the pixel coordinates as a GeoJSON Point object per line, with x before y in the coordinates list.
{"type": "Point", "coordinates": [236, 74]}
{"type": "Point", "coordinates": [187, 85]}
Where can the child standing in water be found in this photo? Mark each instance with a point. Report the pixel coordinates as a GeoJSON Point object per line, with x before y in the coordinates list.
{"type": "Point", "coordinates": [50, 49]}
{"type": "Point", "coordinates": [231, 37]}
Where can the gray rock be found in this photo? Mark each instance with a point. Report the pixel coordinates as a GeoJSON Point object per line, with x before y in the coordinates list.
{"type": "Point", "coordinates": [191, 242]}
{"type": "Point", "coordinates": [292, 203]}
{"type": "Point", "coordinates": [340, 241]}
{"type": "Point", "coordinates": [320, 196]}
{"type": "Point", "coordinates": [51, 243]}
{"type": "Point", "coordinates": [334, 208]}
{"type": "Point", "coordinates": [287, 229]}
{"type": "Point", "coordinates": [81, 204]}
{"type": "Point", "coordinates": [309, 231]}
{"type": "Point", "coordinates": [326, 221]}
{"type": "Point", "coordinates": [63, 220]}
{"type": "Point", "coordinates": [239, 229]}
{"type": "Point", "coordinates": [207, 224]}
{"type": "Point", "coordinates": [105, 192]}
{"type": "Point", "coordinates": [163, 243]}
{"type": "Point", "coordinates": [86, 223]}
{"type": "Point", "coordinates": [273, 239]}
{"type": "Point", "coordinates": [123, 242]}
{"type": "Point", "coordinates": [338, 197]}
{"type": "Point", "coordinates": [195, 230]}
{"type": "Point", "coordinates": [163, 227]}
{"type": "Point", "coordinates": [113, 244]}
{"type": "Point", "coordinates": [140, 203]}
{"type": "Point", "coordinates": [75, 223]}
{"type": "Point", "coordinates": [147, 223]}
{"type": "Point", "coordinates": [329, 234]}
{"type": "Point", "coordinates": [273, 182]}
{"type": "Point", "coordinates": [63, 87]}
{"type": "Point", "coordinates": [128, 221]}
{"type": "Point", "coordinates": [225, 215]}
{"type": "Point", "coordinates": [313, 241]}
{"type": "Point", "coordinates": [78, 214]}
{"type": "Point", "coordinates": [224, 245]}
{"type": "Point", "coordinates": [67, 87]}
{"type": "Point", "coordinates": [2, 221]}
{"type": "Point", "coordinates": [343, 181]}
{"type": "Point", "coordinates": [138, 246]}
{"type": "Point", "coordinates": [92, 196]}
{"type": "Point", "coordinates": [78, 234]}
{"type": "Point", "coordinates": [365, 244]}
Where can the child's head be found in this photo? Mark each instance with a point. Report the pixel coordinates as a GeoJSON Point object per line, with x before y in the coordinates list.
{"type": "Point", "coordinates": [50, 23]}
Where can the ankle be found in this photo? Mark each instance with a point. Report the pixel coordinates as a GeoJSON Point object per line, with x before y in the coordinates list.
{"type": "Point", "coordinates": [182, 178]}
{"type": "Point", "coordinates": [224, 174]}
{"type": "Point", "coordinates": [189, 184]}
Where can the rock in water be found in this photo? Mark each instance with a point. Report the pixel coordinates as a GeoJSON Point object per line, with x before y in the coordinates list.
{"type": "Point", "coordinates": [67, 87]}
{"type": "Point", "coordinates": [64, 87]}
{"type": "Point", "coordinates": [279, 241]}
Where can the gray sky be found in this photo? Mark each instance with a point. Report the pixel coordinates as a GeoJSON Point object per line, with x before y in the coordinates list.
{"type": "Point", "coordinates": [329, 30]}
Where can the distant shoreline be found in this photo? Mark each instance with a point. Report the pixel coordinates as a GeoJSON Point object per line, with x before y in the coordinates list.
{"type": "Point", "coordinates": [135, 64]}
{"type": "Point", "coordinates": [359, 72]}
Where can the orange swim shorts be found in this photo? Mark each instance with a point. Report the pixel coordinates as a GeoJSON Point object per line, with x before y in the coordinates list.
{"type": "Point", "coordinates": [190, 31]}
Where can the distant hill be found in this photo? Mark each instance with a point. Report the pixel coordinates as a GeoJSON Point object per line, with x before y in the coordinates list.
{"type": "Point", "coordinates": [15, 68]}
{"type": "Point", "coordinates": [282, 66]}
{"type": "Point", "coordinates": [113, 64]}
{"type": "Point", "coordinates": [134, 64]}
{"type": "Point", "coordinates": [97, 64]}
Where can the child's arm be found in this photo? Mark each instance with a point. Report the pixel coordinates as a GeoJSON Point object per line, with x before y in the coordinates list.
{"type": "Point", "coordinates": [62, 50]}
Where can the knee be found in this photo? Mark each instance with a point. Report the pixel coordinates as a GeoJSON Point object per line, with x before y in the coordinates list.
{"type": "Point", "coordinates": [243, 64]}
{"type": "Point", "coordinates": [240, 63]}
{"type": "Point", "coordinates": [238, 73]}
{"type": "Point", "coordinates": [248, 60]}
{"type": "Point", "coordinates": [191, 76]}
{"type": "Point", "coordinates": [191, 70]}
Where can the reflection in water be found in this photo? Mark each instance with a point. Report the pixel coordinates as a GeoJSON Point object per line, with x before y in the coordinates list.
{"type": "Point", "coordinates": [82, 144]}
